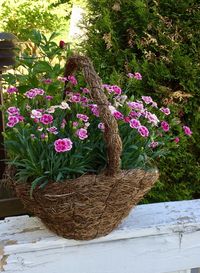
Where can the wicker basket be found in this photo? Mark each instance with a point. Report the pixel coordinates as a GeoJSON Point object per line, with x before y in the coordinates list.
{"type": "Point", "coordinates": [91, 205]}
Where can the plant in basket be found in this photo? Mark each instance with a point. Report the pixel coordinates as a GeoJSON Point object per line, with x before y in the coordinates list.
{"type": "Point", "coordinates": [84, 158]}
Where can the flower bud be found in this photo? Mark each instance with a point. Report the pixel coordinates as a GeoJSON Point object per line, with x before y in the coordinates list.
{"type": "Point", "coordinates": [62, 44]}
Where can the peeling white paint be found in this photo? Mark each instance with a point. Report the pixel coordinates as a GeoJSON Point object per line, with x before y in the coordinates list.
{"type": "Point", "coordinates": [155, 238]}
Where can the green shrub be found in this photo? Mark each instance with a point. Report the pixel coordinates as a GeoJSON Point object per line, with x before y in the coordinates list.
{"type": "Point", "coordinates": [18, 18]}
{"type": "Point", "coordinates": [161, 40]}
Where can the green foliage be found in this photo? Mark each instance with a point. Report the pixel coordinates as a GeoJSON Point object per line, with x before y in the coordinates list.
{"type": "Point", "coordinates": [18, 18]}
{"type": "Point", "coordinates": [40, 59]}
{"type": "Point", "coordinates": [161, 40]}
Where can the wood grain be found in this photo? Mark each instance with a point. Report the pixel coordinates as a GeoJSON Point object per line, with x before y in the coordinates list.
{"type": "Point", "coordinates": [155, 238]}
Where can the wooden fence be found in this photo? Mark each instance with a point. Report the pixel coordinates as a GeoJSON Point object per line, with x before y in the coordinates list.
{"type": "Point", "coordinates": [155, 238]}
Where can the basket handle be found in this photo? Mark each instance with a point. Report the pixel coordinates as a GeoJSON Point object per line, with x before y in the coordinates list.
{"type": "Point", "coordinates": [111, 133]}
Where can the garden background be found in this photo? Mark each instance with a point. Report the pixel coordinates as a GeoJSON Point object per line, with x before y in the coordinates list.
{"type": "Point", "coordinates": [159, 39]}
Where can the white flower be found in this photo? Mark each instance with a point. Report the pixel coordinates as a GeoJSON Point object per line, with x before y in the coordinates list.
{"type": "Point", "coordinates": [87, 124]}
{"type": "Point", "coordinates": [51, 109]}
{"type": "Point", "coordinates": [36, 114]}
{"type": "Point", "coordinates": [112, 109]}
{"type": "Point", "coordinates": [64, 105]}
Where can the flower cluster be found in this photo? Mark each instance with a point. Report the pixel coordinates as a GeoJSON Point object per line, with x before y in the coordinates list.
{"type": "Point", "coordinates": [14, 116]}
{"type": "Point", "coordinates": [76, 120]}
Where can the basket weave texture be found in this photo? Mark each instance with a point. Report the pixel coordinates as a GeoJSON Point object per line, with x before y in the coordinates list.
{"type": "Point", "coordinates": [91, 205]}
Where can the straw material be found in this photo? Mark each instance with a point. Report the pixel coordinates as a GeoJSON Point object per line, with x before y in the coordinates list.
{"type": "Point", "coordinates": [91, 205]}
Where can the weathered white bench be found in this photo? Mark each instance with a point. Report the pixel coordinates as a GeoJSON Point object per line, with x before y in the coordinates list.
{"type": "Point", "coordinates": [155, 238]}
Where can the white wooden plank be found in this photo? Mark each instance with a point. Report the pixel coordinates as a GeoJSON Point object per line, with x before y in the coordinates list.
{"type": "Point", "coordinates": [183, 271]}
{"type": "Point", "coordinates": [156, 238]}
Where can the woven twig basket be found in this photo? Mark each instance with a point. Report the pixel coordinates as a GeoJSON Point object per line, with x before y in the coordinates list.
{"type": "Point", "coordinates": [91, 205]}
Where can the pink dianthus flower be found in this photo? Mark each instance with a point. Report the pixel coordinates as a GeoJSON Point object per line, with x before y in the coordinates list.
{"type": "Point", "coordinates": [153, 144]}
{"type": "Point", "coordinates": [143, 131]}
{"type": "Point", "coordinates": [166, 111]}
{"type": "Point", "coordinates": [116, 89]}
{"type": "Point", "coordinates": [46, 119]}
{"type": "Point", "coordinates": [13, 110]}
{"type": "Point", "coordinates": [187, 130]}
{"type": "Point", "coordinates": [177, 139]}
{"type": "Point", "coordinates": [63, 145]}
{"type": "Point", "coordinates": [12, 90]}
{"type": "Point", "coordinates": [82, 117]}
{"type": "Point", "coordinates": [134, 123]}
{"type": "Point", "coordinates": [12, 121]}
{"type": "Point", "coordinates": [165, 126]}
{"type": "Point", "coordinates": [82, 133]}
{"type": "Point", "coordinates": [118, 115]}
{"type": "Point", "coordinates": [137, 76]}
{"type": "Point", "coordinates": [72, 80]}
{"type": "Point", "coordinates": [147, 99]}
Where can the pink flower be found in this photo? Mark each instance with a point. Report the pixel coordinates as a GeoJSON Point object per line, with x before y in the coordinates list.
{"type": "Point", "coordinates": [30, 94]}
{"type": "Point", "coordinates": [53, 130]}
{"type": "Point", "coordinates": [116, 89]}
{"type": "Point", "coordinates": [138, 106]}
{"type": "Point", "coordinates": [75, 124]}
{"type": "Point", "coordinates": [46, 119]}
{"type": "Point", "coordinates": [134, 114]}
{"type": "Point", "coordinates": [85, 90]}
{"type": "Point", "coordinates": [48, 97]}
{"type": "Point", "coordinates": [154, 104]}
{"type": "Point", "coordinates": [101, 126]}
{"type": "Point", "coordinates": [134, 123]}
{"type": "Point", "coordinates": [130, 75]}
{"type": "Point", "coordinates": [166, 111]}
{"type": "Point", "coordinates": [61, 44]}
{"type": "Point", "coordinates": [153, 144]}
{"type": "Point", "coordinates": [43, 136]}
{"type": "Point", "coordinates": [63, 123]}
{"type": "Point", "coordinates": [39, 91]}
{"type": "Point", "coordinates": [62, 79]}
{"type": "Point", "coordinates": [12, 121]}
{"type": "Point", "coordinates": [177, 139]}
{"type": "Point", "coordinates": [13, 110]}
{"type": "Point", "coordinates": [105, 86]}
{"type": "Point", "coordinates": [108, 88]}
{"type": "Point", "coordinates": [137, 76]}
{"type": "Point", "coordinates": [84, 101]}
{"type": "Point", "coordinates": [47, 81]}
{"type": "Point", "coordinates": [127, 119]}
{"type": "Point", "coordinates": [21, 118]}
{"type": "Point", "coordinates": [75, 98]}
{"type": "Point", "coordinates": [82, 117]}
{"type": "Point", "coordinates": [72, 80]}
{"type": "Point", "coordinates": [12, 90]}
{"type": "Point", "coordinates": [147, 99]}
{"type": "Point", "coordinates": [82, 133]}
{"type": "Point", "coordinates": [95, 109]}
{"type": "Point", "coordinates": [165, 126]}
{"type": "Point", "coordinates": [118, 115]}
{"type": "Point", "coordinates": [152, 118]}
{"type": "Point", "coordinates": [63, 145]}
{"type": "Point", "coordinates": [143, 131]}
{"type": "Point", "coordinates": [187, 130]}
{"type": "Point", "coordinates": [36, 120]}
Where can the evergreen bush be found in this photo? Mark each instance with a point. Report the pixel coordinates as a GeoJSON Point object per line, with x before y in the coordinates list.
{"type": "Point", "coordinates": [161, 40]}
